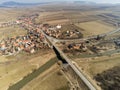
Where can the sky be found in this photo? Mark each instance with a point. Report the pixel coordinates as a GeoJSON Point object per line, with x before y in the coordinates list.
{"type": "Point", "coordinates": [35, 1]}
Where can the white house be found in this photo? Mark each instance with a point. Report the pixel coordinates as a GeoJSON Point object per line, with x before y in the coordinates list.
{"type": "Point", "coordinates": [58, 26]}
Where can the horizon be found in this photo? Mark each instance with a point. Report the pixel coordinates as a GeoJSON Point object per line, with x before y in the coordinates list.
{"type": "Point", "coordinates": [39, 1]}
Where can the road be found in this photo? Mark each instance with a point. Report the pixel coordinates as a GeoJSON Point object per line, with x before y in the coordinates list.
{"type": "Point", "coordinates": [69, 61]}
{"type": "Point", "coordinates": [83, 39]}
{"type": "Point", "coordinates": [112, 32]}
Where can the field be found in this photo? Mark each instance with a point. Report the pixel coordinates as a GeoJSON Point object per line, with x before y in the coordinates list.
{"type": "Point", "coordinates": [97, 65]}
{"type": "Point", "coordinates": [112, 80]}
{"type": "Point", "coordinates": [94, 28]}
{"type": "Point", "coordinates": [11, 31]}
{"type": "Point", "coordinates": [7, 15]}
{"type": "Point", "coordinates": [52, 18]}
{"type": "Point", "coordinates": [9, 74]}
{"type": "Point", "coordinates": [87, 19]}
{"type": "Point", "coordinates": [83, 17]}
{"type": "Point", "coordinates": [11, 14]}
{"type": "Point", "coordinates": [51, 79]}
{"type": "Point", "coordinates": [14, 68]}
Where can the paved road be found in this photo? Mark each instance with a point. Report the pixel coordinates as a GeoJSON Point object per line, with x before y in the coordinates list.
{"type": "Point", "coordinates": [112, 32]}
{"type": "Point", "coordinates": [77, 71]}
{"type": "Point", "coordinates": [69, 61]}
{"type": "Point", "coordinates": [84, 39]}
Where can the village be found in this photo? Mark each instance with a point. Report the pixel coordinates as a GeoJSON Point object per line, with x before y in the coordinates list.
{"type": "Point", "coordinates": [60, 46]}
{"type": "Point", "coordinates": [93, 46]}
{"type": "Point", "coordinates": [34, 39]}
{"type": "Point", "coordinates": [30, 42]}
{"type": "Point", "coordinates": [7, 24]}
{"type": "Point", "coordinates": [59, 32]}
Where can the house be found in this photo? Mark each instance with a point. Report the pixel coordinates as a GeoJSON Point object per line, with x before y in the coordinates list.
{"type": "Point", "coordinates": [58, 26]}
{"type": "Point", "coordinates": [32, 50]}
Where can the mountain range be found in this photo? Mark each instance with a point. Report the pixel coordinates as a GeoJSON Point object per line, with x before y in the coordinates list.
{"type": "Point", "coordinates": [18, 4]}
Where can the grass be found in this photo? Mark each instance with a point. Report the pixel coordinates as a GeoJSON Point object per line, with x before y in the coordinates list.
{"type": "Point", "coordinates": [99, 64]}
{"type": "Point", "coordinates": [94, 28]}
{"type": "Point", "coordinates": [7, 14]}
{"type": "Point", "coordinates": [52, 82]}
{"type": "Point", "coordinates": [33, 75]}
{"type": "Point", "coordinates": [12, 31]}
{"type": "Point", "coordinates": [82, 56]}
{"type": "Point", "coordinates": [63, 88]}
{"type": "Point", "coordinates": [10, 14]}
{"type": "Point", "coordinates": [107, 53]}
{"type": "Point", "coordinates": [93, 66]}
{"type": "Point", "coordinates": [16, 67]}
{"type": "Point", "coordinates": [52, 18]}
{"type": "Point", "coordinates": [13, 72]}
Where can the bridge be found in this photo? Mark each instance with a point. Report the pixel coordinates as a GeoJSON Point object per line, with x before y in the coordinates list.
{"type": "Point", "coordinates": [76, 70]}
{"type": "Point", "coordinates": [52, 41]}
{"type": "Point", "coordinates": [78, 74]}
